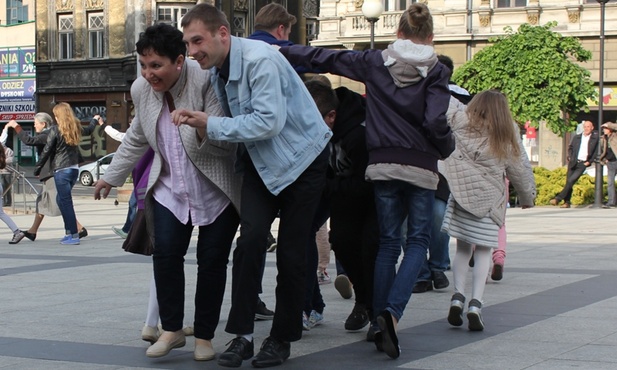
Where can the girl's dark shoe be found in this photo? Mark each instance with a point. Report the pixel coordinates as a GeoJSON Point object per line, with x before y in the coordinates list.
{"type": "Point", "coordinates": [389, 339]}
{"type": "Point", "coordinates": [29, 235]}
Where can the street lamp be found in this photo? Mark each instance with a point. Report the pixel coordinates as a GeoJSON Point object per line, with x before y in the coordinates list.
{"type": "Point", "coordinates": [599, 178]}
{"type": "Point", "coordinates": [372, 10]}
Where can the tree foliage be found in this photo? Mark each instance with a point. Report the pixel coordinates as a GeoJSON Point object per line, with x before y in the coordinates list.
{"type": "Point", "coordinates": [536, 68]}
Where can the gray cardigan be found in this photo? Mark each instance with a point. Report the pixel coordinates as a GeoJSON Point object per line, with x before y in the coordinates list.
{"type": "Point", "coordinates": [476, 178]}
{"type": "Point", "coordinates": [213, 159]}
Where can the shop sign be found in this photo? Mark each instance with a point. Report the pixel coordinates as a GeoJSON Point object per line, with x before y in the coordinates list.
{"type": "Point", "coordinates": [19, 111]}
{"type": "Point", "coordinates": [18, 90]}
{"type": "Point", "coordinates": [17, 62]}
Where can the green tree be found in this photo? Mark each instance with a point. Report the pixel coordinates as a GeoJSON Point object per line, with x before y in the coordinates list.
{"type": "Point", "coordinates": [536, 68]}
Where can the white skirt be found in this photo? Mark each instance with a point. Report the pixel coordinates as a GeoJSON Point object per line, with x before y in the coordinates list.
{"type": "Point", "coordinates": [464, 226]}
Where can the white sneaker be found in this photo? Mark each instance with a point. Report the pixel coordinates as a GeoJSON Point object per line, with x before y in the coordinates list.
{"type": "Point", "coordinates": [315, 319]}
{"type": "Point", "coordinates": [323, 277]}
{"type": "Point", "coordinates": [119, 232]}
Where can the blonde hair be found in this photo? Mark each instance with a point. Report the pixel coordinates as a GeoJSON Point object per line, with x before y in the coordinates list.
{"type": "Point", "coordinates": [68, 124]}
{"type": "Point", "coordinates": [490, 115]}
{"type": "Point", "coordinates": [416, 22]}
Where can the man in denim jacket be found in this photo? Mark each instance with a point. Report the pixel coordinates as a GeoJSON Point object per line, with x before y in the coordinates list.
{"type": "Point", "coordinates": [284, 161]}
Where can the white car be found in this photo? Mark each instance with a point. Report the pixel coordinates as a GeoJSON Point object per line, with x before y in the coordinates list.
{"type": "Point", "coordinates": [91, 172]}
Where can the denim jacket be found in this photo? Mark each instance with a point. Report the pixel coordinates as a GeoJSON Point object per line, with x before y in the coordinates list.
{"type": "Point", "coordinates": [270, 111]}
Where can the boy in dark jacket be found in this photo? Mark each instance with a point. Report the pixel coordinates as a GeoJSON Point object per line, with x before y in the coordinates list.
{"type": "Point", "coordinates": [354, 233]}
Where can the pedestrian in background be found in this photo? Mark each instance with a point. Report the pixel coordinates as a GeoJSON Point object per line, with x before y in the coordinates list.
{"type": "Point", "coordinates": [132, 208]}
{"type": "Point", "coordinates": [62, 151]}
{"type": "Point", "coordinates": [46, 204]}
{"type": "Point", "coordinates": [581, 154]}
{"type": "Point", "coordinates": [608, 143]}
{"type": "Point", "coordinates": [17, 234]}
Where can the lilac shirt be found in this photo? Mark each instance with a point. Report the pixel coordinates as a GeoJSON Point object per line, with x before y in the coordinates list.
{"type": "Point", "coordinates": [181, 188]}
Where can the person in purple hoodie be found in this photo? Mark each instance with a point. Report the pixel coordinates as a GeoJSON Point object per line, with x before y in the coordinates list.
{"type": "Point", "coordinates": [406, 134]}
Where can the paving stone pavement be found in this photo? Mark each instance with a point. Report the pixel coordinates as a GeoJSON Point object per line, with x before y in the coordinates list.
{"type": "Point", "coordinates": [83, 307]}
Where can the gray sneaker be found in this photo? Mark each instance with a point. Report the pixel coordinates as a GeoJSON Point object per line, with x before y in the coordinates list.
{"type": "Point", "coordinates": [455, 315]}
{"type": "Point", "coordinates": [474, 315]}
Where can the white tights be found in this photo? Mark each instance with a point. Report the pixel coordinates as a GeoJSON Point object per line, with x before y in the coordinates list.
{"type": "Point", "coordinates": [482, 262]}
{"type": "Point", "coordinates": [152, 318]}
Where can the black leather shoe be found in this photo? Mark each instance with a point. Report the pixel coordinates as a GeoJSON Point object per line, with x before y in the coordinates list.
{"type": "Point", "coordinates": [83, 233]}
{"type": "Point", "coordinates": [273, 352]}
{"type": "Point", "coordinates": [239, 350]}
{"type": "Point", "coordinates": [422, 286]}
{"type": "Point", "coordinates": [440, 280]}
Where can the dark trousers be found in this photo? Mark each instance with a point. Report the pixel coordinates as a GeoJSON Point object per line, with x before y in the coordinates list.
{"type": "Point", "coordinates": [354, 234]}
{"type": "Point", "coordinates": [312, 298]}
{"type": "Point", "coordinates": [574, 173]}
{"type": "Point", "coordinates": [171, 241]}
{"type": "Point", "coordinates": [297, 204]}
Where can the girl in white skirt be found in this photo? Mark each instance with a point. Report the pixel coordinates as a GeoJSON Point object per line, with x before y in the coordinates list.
{"type": "Point", "coordinates": [488, 148]}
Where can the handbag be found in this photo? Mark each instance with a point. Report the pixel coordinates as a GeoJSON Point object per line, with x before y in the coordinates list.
{"type": "Point", "coordinates": [138, 240]}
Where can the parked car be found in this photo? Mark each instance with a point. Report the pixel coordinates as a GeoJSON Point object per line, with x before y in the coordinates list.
{"type": "Point", "coordinates": [91, 172]}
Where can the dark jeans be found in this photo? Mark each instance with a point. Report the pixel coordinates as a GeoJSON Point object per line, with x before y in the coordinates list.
{"type": "Point", "coordinates": [297, 204]}
{"type": "Point", "coordinates": [396, 200]}
{"type": "Point", "coordinates": [7, 182]}
{"type": "Point", "coordinates": [171, 241]}
{"type": "Point", "coordinates": [313, 299]}
{"type": "Point", "coordinates": [572, 177]}
{"type": "Point", "coordinates": [130, 214]}
{"type": "Point", "coordinates": [65, 180]}
{"type": "Point", "coordinates": [438, 250]}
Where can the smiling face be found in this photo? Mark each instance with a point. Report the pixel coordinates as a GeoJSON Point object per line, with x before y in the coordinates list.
{"type": "Point", "coordinates": [207, 48]}
{"type": "Point", "coordinates": [160, 72]}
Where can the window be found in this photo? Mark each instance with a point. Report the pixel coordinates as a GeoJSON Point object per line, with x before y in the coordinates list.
{"type": "Point", "coordinates": [239, 24]}
{"type": "Point", "coordinates": [16, 12]}
{"type": "Point", "coordinates": [96, 35]}
{"type": "Point", "coordinates": [394, 5]}
{"type": "Point", "coordinates": [65, 32]}
{"type": "Point", "coordinates": [311, 29]}
{"type": "Point", "coordinates": [510, 3]}
{"type": "Point", "coordinates": [172, 14]}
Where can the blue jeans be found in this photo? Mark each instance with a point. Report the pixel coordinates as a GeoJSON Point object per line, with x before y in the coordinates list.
{"type": "Point", "coordinates": [438, 251]}
{"type": "Point", "coordinates": [396, 200]}
{"type": "Point", "coordinates": [65, 179]}
{"type": "Point", "coordinates": [130, 214]}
